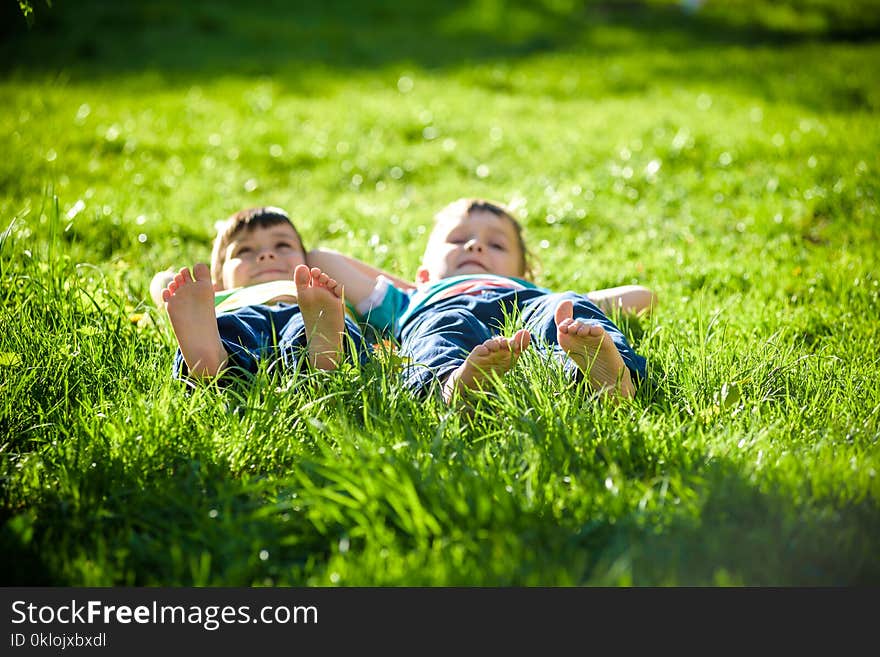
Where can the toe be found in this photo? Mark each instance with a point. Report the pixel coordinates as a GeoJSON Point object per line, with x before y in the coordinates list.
{"type": "Point", "coordinates": [565, 310]}
{"type": "Point", "coordinates": [579, 329]}
{"type": "Point", "coordinates": [565, 326]}
{"type": "Point", "coordinates": [521, 339]}
{"type": "Point", "coordinates": [201, 272]}
{"type": "Point", "coordinates": [480, 351]}
{"type": "Point", "coordinates": [301, 276]}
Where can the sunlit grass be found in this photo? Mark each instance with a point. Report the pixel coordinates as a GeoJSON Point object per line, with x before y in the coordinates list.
{"type": "Point", "coordinates": [732, 169]}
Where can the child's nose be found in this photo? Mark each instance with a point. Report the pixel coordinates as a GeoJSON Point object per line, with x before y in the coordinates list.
{"type": "Point", "coordinates": [473, 245]}
{"type": "Point", "coordinates": [265, 253]}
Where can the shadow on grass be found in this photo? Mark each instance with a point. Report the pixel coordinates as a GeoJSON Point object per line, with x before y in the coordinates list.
{"type": "Point", "coordinates": [751, 534]}
{"type": "Point", "coordinates": [107, 38]}
{"type": "Point", "coordinates": [22, 564]}
{"type": "Point", "coordinates": [193, 525]}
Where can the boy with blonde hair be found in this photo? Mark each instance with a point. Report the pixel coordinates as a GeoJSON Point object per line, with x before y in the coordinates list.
{"type": "Point", "coordinates": [472, 278]}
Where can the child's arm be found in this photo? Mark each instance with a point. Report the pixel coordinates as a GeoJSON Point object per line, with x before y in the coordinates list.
{"type": "Point", "coordinates": [376, 297]}
{"type": "Point", "coordinates": [358, 278]}
{"type": "Point", "coordinates": [337, 258]}
{"type": "Point", "coordinates": [628, 299]}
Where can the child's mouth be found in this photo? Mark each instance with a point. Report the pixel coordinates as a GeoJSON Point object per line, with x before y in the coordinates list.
{"type": "Point", "coordinates": [471, 263]}
{"type": "Point", "coordinates": [273, 272]}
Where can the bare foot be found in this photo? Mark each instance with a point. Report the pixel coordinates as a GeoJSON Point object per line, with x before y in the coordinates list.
{"type": "Point", "coordinates": [593, 352]}
{"type": "Point", "coordinates": [189, 301]}
{"type": "Point", "coordinates": [320, 301]}
{"type": "Point", "coordinates": [494, 357]}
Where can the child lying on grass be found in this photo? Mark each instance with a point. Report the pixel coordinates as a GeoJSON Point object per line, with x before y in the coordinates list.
{"type": "Point", "coordinates": [252, 247]}
{"type": "Point", "coordinates": [450, 325]}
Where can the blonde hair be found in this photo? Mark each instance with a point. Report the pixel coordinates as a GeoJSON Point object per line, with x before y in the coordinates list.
{"type": "Point", "coordinates": [464, 206]}
{"type": "Point", "coordinates": [244, 220]}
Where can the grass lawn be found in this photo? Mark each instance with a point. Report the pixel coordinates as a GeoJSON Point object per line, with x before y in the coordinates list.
{"type": "Point", "coordinates": [728, 158]}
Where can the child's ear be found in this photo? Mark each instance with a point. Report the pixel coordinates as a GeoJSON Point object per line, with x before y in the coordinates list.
{"type": "Point", "coordinates": [422, 275]}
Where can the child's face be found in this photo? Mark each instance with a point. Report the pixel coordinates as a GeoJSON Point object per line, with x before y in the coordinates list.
{"type": "Point", "coordinates": [479, 243]}
{"type": "Point", "coordinates": [262, 254]}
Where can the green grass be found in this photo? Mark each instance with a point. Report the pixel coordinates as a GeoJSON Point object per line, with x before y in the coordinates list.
{"type": "Point", "coordinates": [728, 159]}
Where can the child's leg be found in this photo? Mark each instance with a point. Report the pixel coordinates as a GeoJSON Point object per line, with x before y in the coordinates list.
{"type": "Point", "coordinates": [277, 335]}
{"type": "Point", "coordinates": [320, 301]}
{"type": "Point", "coordinates": [437, 342]}
{"type": "Point", "coordinates": [566, 322]}
{"type": "Point", "coordinates": [492, 358]}
{"type": "Point", "coordinates": [189, 300]}
{"type": "Point", "coordinates": [592, 350]}
{"type": "Point", "coordinates": [441, 341]}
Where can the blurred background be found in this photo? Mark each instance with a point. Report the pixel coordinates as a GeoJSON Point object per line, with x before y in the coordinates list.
{"type": "Point", "coordinates": [154, 119]}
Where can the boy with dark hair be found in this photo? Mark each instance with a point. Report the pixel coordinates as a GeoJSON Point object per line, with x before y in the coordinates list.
{"type": "Point", "coordinates": [293, 309]}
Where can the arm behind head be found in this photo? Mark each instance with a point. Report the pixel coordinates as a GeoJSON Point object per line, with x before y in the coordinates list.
{"type": "Point", "coordinates": [358, 278]}
{"type": "Point", "coordinates": [628, 299]}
